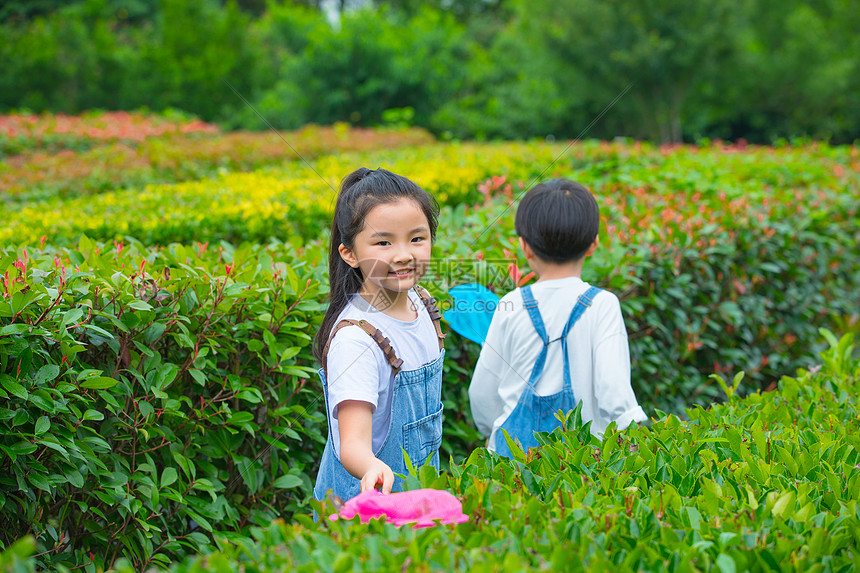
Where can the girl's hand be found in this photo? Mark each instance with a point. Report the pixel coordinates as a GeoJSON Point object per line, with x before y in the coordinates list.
{"type": "Point", "coordinates": [356, 436]}
{"type": "Point", "coordinates": [378, 476]}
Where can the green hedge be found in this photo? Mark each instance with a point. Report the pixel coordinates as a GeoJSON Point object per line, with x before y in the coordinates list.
{"type": "Point", "coordinates": [771, 481]}
{"type": "Point", "coordinates": [151, 397]}
{"type": "Point", "coordinates": [766, 482]}
{"type": "Point", "coordinates": [152, 394]}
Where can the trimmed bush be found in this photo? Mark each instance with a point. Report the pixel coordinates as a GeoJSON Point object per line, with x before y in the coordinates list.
{"type": "Point", "coordinates": [62, 157]}
{"type": "Point", "coordinates": [152, 397]}
{"type": "Point", "coordinates": [766, 482]}
{"type": "Point", "coordinates": [156, 400]}
{"type": "Point", "coordinates": [292, 200]}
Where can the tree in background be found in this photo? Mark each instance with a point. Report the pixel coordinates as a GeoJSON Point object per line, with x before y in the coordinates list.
{"type": "Point", "coordinates": [86, 55]}
{"type": "Point", "coordinates": [511, 89]}
{"type": "Point", "coordinates": [663, 48]}
{"type": "Point", "coordinates": [372, 62]}
{"type": "Point", "coordinates": [797, 74]}
{"type": "Point", "coordinates": [760, 69]}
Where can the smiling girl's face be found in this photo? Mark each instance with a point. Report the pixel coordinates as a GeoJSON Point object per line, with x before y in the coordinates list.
{"type": "Point", "coordinates": [392, 251]}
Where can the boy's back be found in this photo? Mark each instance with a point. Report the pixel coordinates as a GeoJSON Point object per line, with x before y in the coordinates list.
{"type": "Point", "coordinates": [597, 350]}
{"type": "Point", "coordinates": [523, 376]}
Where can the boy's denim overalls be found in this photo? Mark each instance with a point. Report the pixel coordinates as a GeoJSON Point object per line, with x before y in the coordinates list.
{"type": "Point", "coordinates": [535, 413]}
{"type": "Point", "coordinates": [416, 416]}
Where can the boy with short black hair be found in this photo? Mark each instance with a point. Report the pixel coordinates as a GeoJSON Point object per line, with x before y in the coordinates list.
{"type": "Point", "coordinates": [559, 341]}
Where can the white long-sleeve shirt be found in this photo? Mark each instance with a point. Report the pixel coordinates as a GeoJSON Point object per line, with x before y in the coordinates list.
{"type": "Point", "coordinates": [597, 347]}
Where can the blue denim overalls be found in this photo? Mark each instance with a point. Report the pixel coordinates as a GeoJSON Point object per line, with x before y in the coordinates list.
{"type": "Point", "coordinates": [416, 415]}
{"type": "Point", "coordinates": [534, 413]}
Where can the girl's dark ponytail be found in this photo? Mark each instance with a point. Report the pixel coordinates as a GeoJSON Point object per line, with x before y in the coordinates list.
{"type": "Point", "coordinates": [344, 281]}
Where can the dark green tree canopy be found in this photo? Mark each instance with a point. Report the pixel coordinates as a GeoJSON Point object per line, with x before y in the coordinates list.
{"type": "Point", "coordinates": [759, 70]}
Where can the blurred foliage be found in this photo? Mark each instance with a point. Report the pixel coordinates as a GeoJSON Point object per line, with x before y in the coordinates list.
{"type": "Point", "coordinates": [760, 70]}
{"type": "Point", "coordinates": [45, 156]}
{"type": "Point", "coordinates": [149, 396]}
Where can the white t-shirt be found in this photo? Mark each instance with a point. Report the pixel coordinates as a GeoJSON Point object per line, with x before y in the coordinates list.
{"type": "Point", "coordinates": [597, 348]}
{"type": "Point", "coordinates": [358, 370]}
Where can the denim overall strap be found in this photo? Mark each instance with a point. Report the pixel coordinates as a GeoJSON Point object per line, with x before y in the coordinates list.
{"type": "Point", "coordinates": [530, 304]}
{"type": "Point", "coordinates": [433, 311]}
{"type": "Point", "coordinates": [582, 303]}
{"type": "Point", "coordinates": [382, 341]}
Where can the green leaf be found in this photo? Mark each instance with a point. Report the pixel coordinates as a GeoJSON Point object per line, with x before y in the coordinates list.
{"type": "Point", "coordinates": [271, 341]}
{"type": "Point", "coordinates": [252, 395]}
{"type": "Point", "coordinates": [188, 469]}
{"type": "Point", "coordinates": [39, 481]}
{"type": "Point", "coordinates": [248, 470]}
{"type": "Point", "coordinates": [198, 376]}
{"type": "Point", "coordinates": [239, 418]}
{"type": "Point", "coordinates": [49, 442]}
{"type": "Point", "coordinates": [11, 386]}
{"type": "Point", "coordinates": [47, 373]}
{"type": "Point", "coordinates": [784, 504]}
{"type": "Point", "coordinates": [140, 305]}
{"type": "Point", "coordinates": [726, 389]}
{"type": "Point", "coordinates": [42, 400]}
{"type": "Point", "coordinates": [829, 336]}
{"type": "Point", "coordinates": [99, 383]}
{"type": "Point", "coordinates": [75, 478]}
{"type": "Point", "coordinates": [93, 415]}
{"type": "Point", "coordinates": [275, 442]}
{"type": "Point", "coordinates": [155, 330]}
{"type": "Point", "coordinates": [15, 328]}
{"type": "Point", "coordinates": [168, 476]}
{"type": "Point", "coordinates": [694, 516]}
{"type": "Point", "coordinates": [73, 315]}
{"type": "Point", "coordinates": [289, 353]}
{"type": "Point", "coordinates": [200, 541]}
{"type": "Point", "coordinates": [43, 424]}
{"type": "Point", "coordinates": [201, 521]}
{"type": "Point", "coordinates": [145, 408]}
{"type": "Point", "coordinates": [288, 481]}
{"type": "Point", "coordinates": [726, 564]}
{"type": "Point", "coordinates": [166, 375]}
{"type": "Point", "coordinates": [759, 439]}
{"type": "Point", "coordinates": [98, 330]}
{"type": "Point", "coordinates": [514, 446]}
{"type": "Point", "coordinates": [21, 416]}
{"type": "Point", "coordinates": [23, 448]}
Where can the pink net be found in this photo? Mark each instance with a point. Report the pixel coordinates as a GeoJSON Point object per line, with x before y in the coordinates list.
{"type": "Point", "coordinates": [423, 507]}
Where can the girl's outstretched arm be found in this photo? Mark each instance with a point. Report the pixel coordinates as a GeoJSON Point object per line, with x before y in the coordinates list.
{"type": "Point", "coordinates": [355, 419]}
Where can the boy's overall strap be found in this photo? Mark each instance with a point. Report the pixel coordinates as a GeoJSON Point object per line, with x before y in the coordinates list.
{"type": "Point", "coordinates": [433, 311]}
{"type": "Point", "coordinates": [531, 306]}
{"type": "Point", "coordinates": [375, 334]}
{"type": "Point", "coordinates": [582, 303]}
